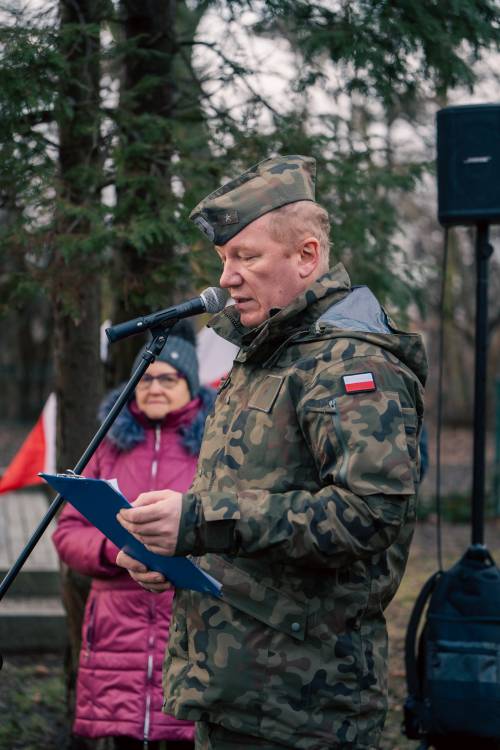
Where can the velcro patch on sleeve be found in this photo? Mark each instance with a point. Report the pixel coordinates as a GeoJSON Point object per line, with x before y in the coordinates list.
{"type": "Point", "coordinates": [359, 383]}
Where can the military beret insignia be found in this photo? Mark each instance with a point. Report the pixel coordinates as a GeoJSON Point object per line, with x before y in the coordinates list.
{"type": "Point", "coordinates": [228, 217]}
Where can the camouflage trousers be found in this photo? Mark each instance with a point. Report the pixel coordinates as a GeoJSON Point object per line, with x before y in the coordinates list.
{"type": "Point", "coordinates": [215, 737]}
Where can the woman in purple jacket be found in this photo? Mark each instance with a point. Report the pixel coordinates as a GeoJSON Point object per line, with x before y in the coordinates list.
{"type": "Point", "coordinates": [153, 444]}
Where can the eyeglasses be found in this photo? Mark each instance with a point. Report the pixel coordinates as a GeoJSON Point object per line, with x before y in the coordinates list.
{"type": "Point", "coordinates": [165, 380]}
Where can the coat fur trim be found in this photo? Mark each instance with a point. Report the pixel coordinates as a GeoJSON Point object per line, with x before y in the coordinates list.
{"type": "Point", "coordinates": [126, 432]}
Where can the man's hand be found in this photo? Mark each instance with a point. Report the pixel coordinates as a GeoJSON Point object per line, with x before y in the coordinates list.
{"type": "Point", "coordinates": [148, 579]}
{"type": "Point", "coordinates": [155, 520]}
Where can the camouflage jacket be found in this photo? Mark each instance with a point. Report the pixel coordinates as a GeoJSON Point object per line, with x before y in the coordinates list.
{"type": "Point", "coordinates": [303, 507]}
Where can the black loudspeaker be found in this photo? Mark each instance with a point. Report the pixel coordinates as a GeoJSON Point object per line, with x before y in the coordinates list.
{"type": "Point", "coordinates": [468, 164]}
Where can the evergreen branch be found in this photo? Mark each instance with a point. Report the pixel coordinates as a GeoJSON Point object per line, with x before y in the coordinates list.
{"type": "Point", "coordinates": [39, 117]}
{"type": "Point", "coordinates": [239, 71]}
{"type": "Point", "coordinates": [202, 94]}
{"type": "Point", "coordinates": [48, 141]}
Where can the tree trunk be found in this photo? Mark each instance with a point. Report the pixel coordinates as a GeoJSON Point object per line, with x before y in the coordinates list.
{"type": "Point", "coordinates": [75, 285]}
{"type": "Point", "coordinates": [144, 189]}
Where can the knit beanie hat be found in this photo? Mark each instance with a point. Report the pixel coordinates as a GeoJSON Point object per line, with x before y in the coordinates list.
{"type": "Point", "coordinates": [180, 352]}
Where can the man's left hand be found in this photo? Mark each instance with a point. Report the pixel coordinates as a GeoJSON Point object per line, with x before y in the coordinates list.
{"type": "Point", "coordinates": [154, 520]}
{"type": "Point", "coordinates": [148, 579]}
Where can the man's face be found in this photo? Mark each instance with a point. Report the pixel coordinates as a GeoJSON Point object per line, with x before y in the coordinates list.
{"type": "Point", "coordinates": [259, 272]}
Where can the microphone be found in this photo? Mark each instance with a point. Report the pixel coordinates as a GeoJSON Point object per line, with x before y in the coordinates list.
{"type": "Point", "coordinates": [211, 300]}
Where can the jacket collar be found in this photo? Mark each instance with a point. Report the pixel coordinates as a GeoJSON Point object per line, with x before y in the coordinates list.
{"type": "Point", "coordinates": [300, 314]}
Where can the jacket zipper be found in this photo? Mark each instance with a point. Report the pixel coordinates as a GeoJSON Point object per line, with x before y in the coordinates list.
{"type": "Point", "coordinates": [154, 465]}
{"type": "Point", "coordinates": [146, 720]}
{"type": "Point", "coordinates": [149, 677]}
{"type": "Point", "coordinates": [90, 631]}
{"type": "Point", "coordinates": [341, 438]}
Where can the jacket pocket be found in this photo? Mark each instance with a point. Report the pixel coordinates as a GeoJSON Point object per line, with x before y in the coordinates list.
{"type": "Point", "coordinates": [264, 603]}
{"type": "Point", "coordinates": [266, 394]}
{"type": "Point", "coordinates": [254, 631]}
{"type": "Point", "coordinates": [362, 443]}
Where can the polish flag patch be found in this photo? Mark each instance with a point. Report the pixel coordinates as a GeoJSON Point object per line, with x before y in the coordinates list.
{"type": "Point", "coordinates": [359, 383]}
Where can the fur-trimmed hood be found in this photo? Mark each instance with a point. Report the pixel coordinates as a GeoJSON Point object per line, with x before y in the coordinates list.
{"type": "Point", "coordinates": [126, 431]}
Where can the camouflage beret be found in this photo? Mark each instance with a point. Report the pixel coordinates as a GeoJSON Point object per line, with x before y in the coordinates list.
{"type": "Point", "coordinates": [268, 185]}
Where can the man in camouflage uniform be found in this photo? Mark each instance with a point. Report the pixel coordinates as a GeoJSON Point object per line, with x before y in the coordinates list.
{"type": "Point", "coordinates": [303, 506]}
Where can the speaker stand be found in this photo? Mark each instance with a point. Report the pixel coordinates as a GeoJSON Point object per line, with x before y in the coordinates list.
{"type": "Point", "coordinates": [483, 254]}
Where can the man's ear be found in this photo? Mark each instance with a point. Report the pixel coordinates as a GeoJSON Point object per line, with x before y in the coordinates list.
{"type": "Point", "coordinates": [309, 257]}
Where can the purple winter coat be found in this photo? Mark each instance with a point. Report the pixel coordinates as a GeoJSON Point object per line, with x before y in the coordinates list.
{"type": "Point", "coordinates": [125, 628]}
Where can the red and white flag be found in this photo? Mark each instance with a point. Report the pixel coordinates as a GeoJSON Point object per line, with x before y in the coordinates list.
{"type": "Point", "coordinates": [362, 381]}
{"type": "Point", "coordinates": [37, 453]}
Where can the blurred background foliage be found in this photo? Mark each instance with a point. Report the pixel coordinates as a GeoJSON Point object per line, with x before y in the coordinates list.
{"type": "Point", "coordinates": [117, 116]}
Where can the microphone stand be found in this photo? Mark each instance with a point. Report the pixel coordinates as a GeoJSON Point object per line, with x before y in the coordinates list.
{"type": "Point", "coordinates": [155, 346]}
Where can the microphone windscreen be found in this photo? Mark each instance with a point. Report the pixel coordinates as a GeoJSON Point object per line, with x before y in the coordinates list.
{"type": "Point", "coordinates": [214, 299]}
